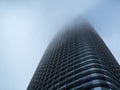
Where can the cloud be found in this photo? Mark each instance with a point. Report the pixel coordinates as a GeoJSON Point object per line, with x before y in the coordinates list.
{"type": "Point", "coordinates": [27, 27]}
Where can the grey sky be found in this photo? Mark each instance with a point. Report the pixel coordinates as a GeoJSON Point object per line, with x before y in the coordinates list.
{"type": "Point", "coordinates": [27, 27]}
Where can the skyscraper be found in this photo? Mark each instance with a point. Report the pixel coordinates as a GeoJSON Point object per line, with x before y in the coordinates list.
{"type": "Point", "coordinates": [77, 59]}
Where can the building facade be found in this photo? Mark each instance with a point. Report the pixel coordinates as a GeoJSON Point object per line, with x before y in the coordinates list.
{"type": "Point", "coordinates": [77, 59]}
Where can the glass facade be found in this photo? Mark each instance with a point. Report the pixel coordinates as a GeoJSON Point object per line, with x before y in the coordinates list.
{"type": "Point", "coordinates": [77, 59]}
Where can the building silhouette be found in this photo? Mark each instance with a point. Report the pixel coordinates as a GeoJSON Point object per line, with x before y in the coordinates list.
{"type": "Point", "coordinates": [77, 59]}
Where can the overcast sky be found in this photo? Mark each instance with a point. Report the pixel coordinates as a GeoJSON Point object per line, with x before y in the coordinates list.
{"type": "Point", "coordinates": [27, 27]}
